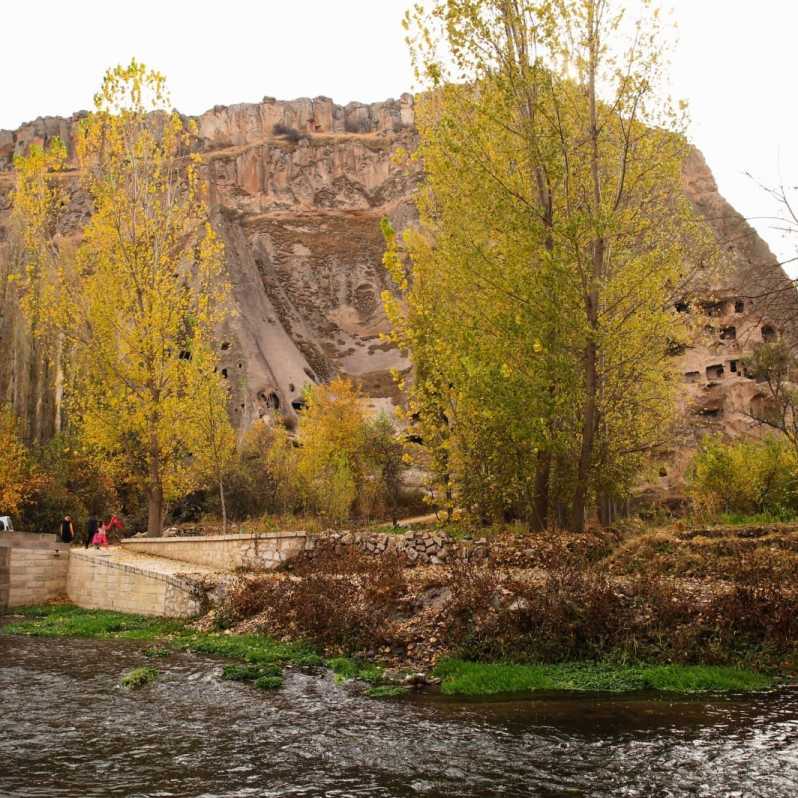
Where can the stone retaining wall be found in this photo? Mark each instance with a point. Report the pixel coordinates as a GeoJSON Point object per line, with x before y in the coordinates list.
{"type": "Point", "coordinates": [416, 547]}
{"type": "Point", "coordinates": [224, 552]}
{"type": "Point", "coordinates": [33, 569]}
{"type": "Point", "coordinates": [98, 583]}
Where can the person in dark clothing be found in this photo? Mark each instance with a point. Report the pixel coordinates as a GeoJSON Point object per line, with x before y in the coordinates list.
{"type": "Point", "coordinates": [67, 530]}
{"type": "Point", "coordinates": [91, 530]}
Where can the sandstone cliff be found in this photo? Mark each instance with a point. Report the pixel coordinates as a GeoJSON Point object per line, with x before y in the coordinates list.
{"type": "Point", "coordinates": [298, 190]}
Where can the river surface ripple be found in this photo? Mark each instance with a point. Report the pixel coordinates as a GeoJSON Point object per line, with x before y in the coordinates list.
{"type": "Point", "coordinates": [68, 730]}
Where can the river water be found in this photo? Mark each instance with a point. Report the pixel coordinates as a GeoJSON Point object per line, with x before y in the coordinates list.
{"type": "Point", "coordinates": [68, 729]}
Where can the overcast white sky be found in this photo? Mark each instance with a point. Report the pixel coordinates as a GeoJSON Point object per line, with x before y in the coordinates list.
{"type": "Point", "coordinates": [734, 64]}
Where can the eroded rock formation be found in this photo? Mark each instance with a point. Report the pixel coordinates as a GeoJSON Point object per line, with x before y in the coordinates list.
{"type": "Point", "coordinates": [298, 189]}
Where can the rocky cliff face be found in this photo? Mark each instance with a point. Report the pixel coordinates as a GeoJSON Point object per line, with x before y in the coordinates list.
{"type": "Point", "coordinates": [298, 189]}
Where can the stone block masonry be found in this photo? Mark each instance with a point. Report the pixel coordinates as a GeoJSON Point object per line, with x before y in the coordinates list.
{"type": "Point", "coordinates": [105, 580]}
{"type": "Point", "coordinates": [33, 570]}
{"type": "Point", "coordinates": [225, 552]}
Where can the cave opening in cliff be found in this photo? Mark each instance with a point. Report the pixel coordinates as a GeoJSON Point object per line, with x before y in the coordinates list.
{"type": "Point", "coordinates": [271, 400]}
{"type": "Point", "coordinates": [225, 345]}
{"type": "Point", "coordinates": [733, 366]}
{"type": "Point", "coordinates": [728, 333]}
{"type": "Point", "coordinates": [739, 306]}
{"type": "Point", "coordinates": [715, 372]}
{"type": "Point", "coordinates": [682, 307]}
{"type": "Point", "coordinates": [224, 373]}
{"type": "Point", "coordinates": [768, 334]}
{"type": "Point", "coordinates": [692, 376]}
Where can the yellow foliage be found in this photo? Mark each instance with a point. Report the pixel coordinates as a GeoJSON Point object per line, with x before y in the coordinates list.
{"type": "Point", "coordinates": [141, 298]}
{"type": "Point", "coordinates": [18, 477]}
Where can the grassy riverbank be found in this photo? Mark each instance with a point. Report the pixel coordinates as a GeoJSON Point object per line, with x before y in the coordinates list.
{"type": "Point", "coordinates": [458, 677]}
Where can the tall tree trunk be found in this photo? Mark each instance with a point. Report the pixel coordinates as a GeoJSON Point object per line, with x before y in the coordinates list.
{"type": "Point", "coordinates": [154, 490]}
{"type": "Point", "coordinates": [588, 440]}
{"type": "Point", "coordinates": [224, 505]}
{"type": "Point", "coordinates": [58, 420]}
{"type": "Point", "coordinates": [541, 507]}
{"type": "Point", "coordinates": [592, 294]}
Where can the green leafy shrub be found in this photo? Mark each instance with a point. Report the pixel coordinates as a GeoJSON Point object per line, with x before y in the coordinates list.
{"type": "Point", "coordinates": [745, 478]}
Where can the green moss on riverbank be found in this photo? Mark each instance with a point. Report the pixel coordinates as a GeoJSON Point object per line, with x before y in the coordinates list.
{"type": "Point", "coordinates": [66, 620]}
{"type": "Point", "coordinates": [459, 677]}
{"type": "Point", "coordinates": [265, 657]}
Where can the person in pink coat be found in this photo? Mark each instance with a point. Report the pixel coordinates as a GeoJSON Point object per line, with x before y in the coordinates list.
{"type": "Point", "coordinates": [101, 536]}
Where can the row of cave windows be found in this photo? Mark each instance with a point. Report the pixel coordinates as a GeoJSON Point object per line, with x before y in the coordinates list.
{"type": "Point", "coordinates": [769, 334]}
{"type": "Point", "coordinates": [713, 372]}
{"type": "Point", "coordinates": [760, 404]}
{"type": "Point", "coordinates": [713, 308]}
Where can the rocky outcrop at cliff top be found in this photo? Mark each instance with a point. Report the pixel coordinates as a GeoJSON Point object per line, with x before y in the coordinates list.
{"type": "Point", "coordinates": [298, 189]}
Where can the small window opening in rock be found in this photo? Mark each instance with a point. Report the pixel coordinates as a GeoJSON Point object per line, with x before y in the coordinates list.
{"type": "Point", "coordinates": [298, 404]}
{"type": "Point", "coordinates": [714, 308]}
{"type": "Point", "coordinates": [728, 333]}
{"type": "Point", "coordinates": [739, 306]}
{"type": "Point", "coordinates": [733, 366]}
{"type": "Point", "coordinates": [715, 372]}
{"type": "Point", "coordinates": [241, 365]}
{"type": "Point", "coordinates": [768, 334]}
{"type": "Point", "coordinates": [710, 412]}
{"type": "Point", "coordinates": [291, 387]}
{"type": "Point", "coordinates": [682, 307]}
{"type": "Point", "coordinates": [242, 405]}
{"type": "Point", "coordinates": [184, 354]}
{"type": "Point", "coordinates": [224, 373]}
{"type": "Point", "coordinates": [692, 376]}
{"type": "Point", "coordinates": [273, 401]}
{"type": "Point", "coordinates": [225, 345]}
{"type": "Point", "coordinates": [663, 472]}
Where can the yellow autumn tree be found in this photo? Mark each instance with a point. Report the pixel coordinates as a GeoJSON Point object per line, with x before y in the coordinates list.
{"type": "Point", "coordinates": [537, 293]}
{"type": "Point", "coordinates": [18, 478]}
{"type": "Point", "coordinates": [139, 301]}
{"type": "Point", "coordinates": [39, 200]}
{"type": "Point", "coordinates": [212, 439]}
{"type": "Point", "coordinates": [332, 435]}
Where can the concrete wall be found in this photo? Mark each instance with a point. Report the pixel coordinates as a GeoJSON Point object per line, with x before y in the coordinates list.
{"type": "Point", "coordinates": [224, 552]}
{"type": "Point", "coordinates": [97, 582]}
{"type": "Point", "coordinates": [33, 569]}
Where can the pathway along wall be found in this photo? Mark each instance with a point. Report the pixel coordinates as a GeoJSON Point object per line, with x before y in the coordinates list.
{"type": "Point", "coordinates": [33, 569]}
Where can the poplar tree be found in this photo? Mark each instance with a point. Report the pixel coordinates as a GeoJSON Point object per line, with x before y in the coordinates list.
{"type": "Point", "coordinates": [140, 299]}
{"type": "Point", "coordinates": [554, 238]}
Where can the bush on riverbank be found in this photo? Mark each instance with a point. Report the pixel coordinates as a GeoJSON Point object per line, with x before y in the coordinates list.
{"type": "Point", "coordinates": [355, 604]}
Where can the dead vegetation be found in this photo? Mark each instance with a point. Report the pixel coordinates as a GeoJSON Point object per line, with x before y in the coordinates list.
{"type": "Point", "coordinates": [708, 597]}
